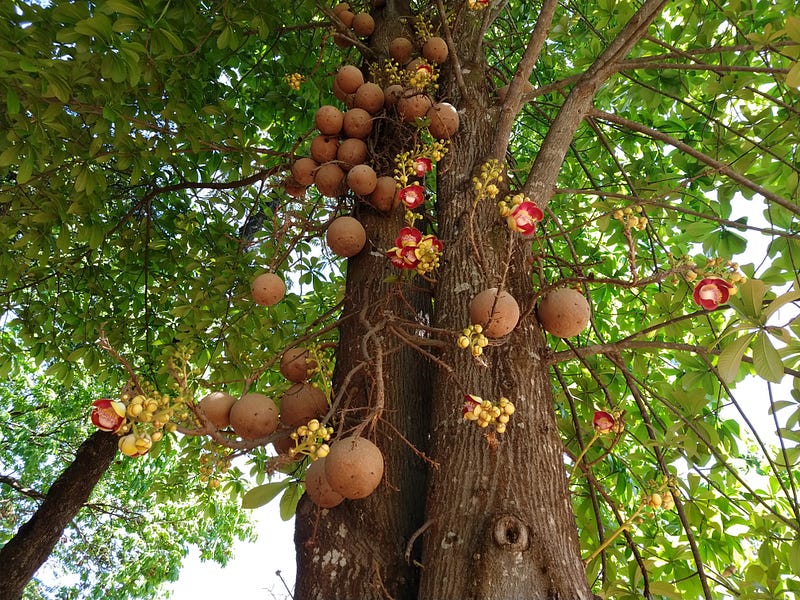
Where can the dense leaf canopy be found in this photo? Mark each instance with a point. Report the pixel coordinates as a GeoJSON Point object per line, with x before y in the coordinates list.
{"type": "Point", "coordinates": [144, 148]}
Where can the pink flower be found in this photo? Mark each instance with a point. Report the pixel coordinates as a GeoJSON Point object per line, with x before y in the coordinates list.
{"type": "Point", "coordinates": [412, 196]}
{"type": "Point", "coordinates": [470, 402]}
{"type": "Point", "coordinates": [412, 250]}
{"type": "Point", "coordinates": [408, 236]}
{"type": "Point", "coordinates": [603, 422]}
{"type": "Point", "coordinates": [422, 165]}
{"type": "Point", "coordinates": [108, 415]}
{"type": "Point", "coordinates": [523, 217]}
{"type": "Point", "coordinates": [424, 67]}
{"type": "Point", "coordinates": [711, 292]}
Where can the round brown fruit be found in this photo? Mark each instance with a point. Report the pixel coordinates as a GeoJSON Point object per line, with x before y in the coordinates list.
{"type": "Point", "coordinates": [444, 120]}
{"type": "Point", "coordinates": [363, 24]}
{"type": "Point", "coordinates": [254, 416]}
{"type": "Point", "coordinates": [340, 7]}
{"type": "Point", "coordinates": [283, 444]}
{"type": "Point", "coordinates": [362, 180]}
{"type": "Point", "coordinates": [413, 106]}
{"type": "Point", "coordinates": [318, 488]}
{"type": "Point", "coordinates": [400, 49]}
{"type": "Point", "coordinates": [346, 236]}
{"type": "Point", "coordinates": [293, 188]}
{"type": "Point", "coordinates": [352, 152]}
{"type": "Point", "coordinates": [216, 406]}
{"type": "Point", "coordinates": [369, 96]}
{"type": "Point", "coordinates": [564, 312]}
{"type": "Point", "coordinates": [323, 148]}
{"type": "Point", "coordinates": [329, 180]}
{"type": "Point", "coordinates": [296, 365]}
{"type": "Point", "coordinates": [357, 123]}
{"type": "Point", "coordinates": [354, 467]}
{"type": "Point", "coordinates": [498, 322]}
{"type": "Point", "coordinates": [347, 17]}
{"type": "Point", "coordinates": [301, 403]}
{"type": "Point", "coordinates": [349, 79]}
{"type": "Point", "coordinates": [267, 289]}
{"type": "Point", "coordinates": [385, 198]}
{"type": "Point", "coordinates": [328, 119]}
{"type": "Point", "coordinates": [392, 94]}
{"type": "Point", "coordinates": [303, 170]}
{"type": "Point", "coordinates": [435, 50]}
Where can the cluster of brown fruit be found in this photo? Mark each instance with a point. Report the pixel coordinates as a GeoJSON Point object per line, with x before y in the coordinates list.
{"type": "Point", "coordinates": [360, 23]}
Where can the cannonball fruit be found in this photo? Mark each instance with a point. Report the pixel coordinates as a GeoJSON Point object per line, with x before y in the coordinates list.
{"type": "Point", "coordinates": [328, 119]}
{"type": "Point", "coordinates": [363, 24]}
{"type": "Point", "coordinates": [294, 188]}
{"type": "Point", "coordinates": [369, 96]}
{"type": "Point", "coordinates": [349, 78]}
{"type": "Point", "coordinates": [283, 444]}
{"type": "Point", "coordinates": [444, 120]}
{"type": "Point", "coordinates": [346, 236]}
{"type": "Point", "coordinates": [354, 467]}
{"type": "Point", "coordinates": [347, 17]}
{"type": "Point", "coordinates": [357, 123]}
{"type": "Point", "coordinates": [352, 152]}
{"type": "Point", "coordinates": [318, 488]}
{"type": "Point", "coordinates": [392, 94]}
{"type": "Point", "coordinates": [303, 170]}
{"type": "Point", "coordinates": [254, 416]}
{"type": "Point", "coordinates": [498, 322]}
{"type": "Point", "coordinates": [301, 403]}
{"type": "Point", "coordinates": [362, 180]}
{"type": "Point", "coordinates": [564, 312]}
{"type": "Point", "coordinates": [324, 148]}
{"type": "Point", "coordinates": [413, 106]}
{"type": "Point", "coordinates": [400, 49]}
{"type": "Point", "coordinates": [216, 406]}
{"type": "Point", "coordinates": [329, 180]}
{"type": "Point", "coordinates": [385, 198]}
{"type": "Point", "coordinates": [435, 50]}
{"type": "Point", "coordinates": [296, 365]}
{"type": "Point", "coordinates": [267, 289]}
{"type": "Point", "coordinates": [340, 7]}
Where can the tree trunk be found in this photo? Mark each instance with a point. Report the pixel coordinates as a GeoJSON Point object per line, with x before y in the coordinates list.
{"type": "Point", "coordinates": [495, 519]}
{"type": "Point", "coordinates": [22, 556]}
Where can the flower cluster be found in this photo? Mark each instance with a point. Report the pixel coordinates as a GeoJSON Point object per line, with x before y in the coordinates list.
{"type": "Point", "coordinates": [485, 413]}
{"type": "Point", "coordinates": [485, 183]}
{"type": "Point", "coordinates": [717, 284]}
{"type": "Point", "coordinates": [630, 218]}
{"type": "Point", "coordinates": [423, 76]}
{"type": "Point", "coordinates": [665, 500]}
{"type": "Point", "coordinates": [604, 422]}
{"type": "Point", "coordinates": [412, 250]}
{"type": "Point", "coordinates": [477, 4]}
{"type": "Point", "coordinates": [294, 80]}
{"type": "Point", "coordinates": [472, 337]}
{"type": "Point", "coordinates": [418, 162]}
{"type": "Point", "coordinates": [311, 440]}
{"type": "Point", "coordinates": [520, 213]}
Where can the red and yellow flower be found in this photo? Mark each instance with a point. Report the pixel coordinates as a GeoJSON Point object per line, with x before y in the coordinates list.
{"type": "Point", "coordinates": [108, 415]}
{"type": "Point", "coordinates": [422, 165]}
{"type": "Point", "coordinates": [412, 196]}
{"type": "Point", "coordinates": [710, 292]}
{"type": "Point", "coordinates": [521, 214]}
{"type": "Point", "coordinates": [412, 250]}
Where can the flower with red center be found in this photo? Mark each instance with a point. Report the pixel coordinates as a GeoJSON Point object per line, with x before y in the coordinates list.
{"type": "Point", "coordinates": [523, 217]}
{"type": "Point", "coordinates": [711, 292]}
{"type": "Point", "coordinates": [408, 236]}
{"type": "Point", "coordinates": [422, 165]}
{"type": "Point", "coordinates": [412, 196]}
{"type": "Point", "coordinates": [108, 415]}
{"type": "Point", "coordinates": [470, 404]}
{"type": "Point", "coordinates": [603, 422]}
{"type": "Point", "coordinates": [412, 250]}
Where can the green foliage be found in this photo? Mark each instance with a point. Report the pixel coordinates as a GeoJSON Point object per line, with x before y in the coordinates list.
{"type": "Point", "coordinates": [141, 138]}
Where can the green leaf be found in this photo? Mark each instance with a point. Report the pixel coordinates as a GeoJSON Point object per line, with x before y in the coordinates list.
{"type": "Point", "coordinates": [263, 494]}
{"type": "Point", "coordinates": [12, 101]}
{"type": "Point", "coordinates": [731, 357]}
{"type": "Point", "coordinates": [751, 295]}
{"type": "Point", "coordinates": [664, 588]}
{"type": "Point", "coordinates": [780, 301]}
{"type": "Point", "coordinates": [289, 500]}
{"type": "Point", "coordinates": [793, 76]}
{"type": "Point", "coordinates": [766, 360]}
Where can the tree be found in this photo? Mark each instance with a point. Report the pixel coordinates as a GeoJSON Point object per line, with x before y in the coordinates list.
{"type": "Point", "coordinates": [145, 187]}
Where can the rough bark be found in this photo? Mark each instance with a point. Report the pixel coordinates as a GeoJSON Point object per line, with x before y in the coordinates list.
{"type": "Point", "coordinates": [22, 556]}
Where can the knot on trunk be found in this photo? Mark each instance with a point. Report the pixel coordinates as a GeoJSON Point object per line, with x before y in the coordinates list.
{"type": "Point", "coordinates": [510, 533]}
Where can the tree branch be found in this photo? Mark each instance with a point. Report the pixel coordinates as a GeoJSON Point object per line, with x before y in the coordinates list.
{"type": "Point", "coordinates": [544, 172]}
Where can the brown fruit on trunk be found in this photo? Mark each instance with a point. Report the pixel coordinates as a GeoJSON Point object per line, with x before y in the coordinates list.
{"type": "Point", "coordinates": [328, 120]}
{"type": "Point", "coordinates": [267, 289]}
{"type": "Point", "coordinates": [323, 148]}
{"type": "Point", "coordinates": [318, 488]}
{"type": "Point", "coordinates": [400, 49]}
{"type": "Point", "coordinates": [444, 120]}
{"type": "Point", "coordinates": [564, 312]}
{"type": "Point", "coordinates": [254, 416]}
{"type": "Point", "coordinates": [217, 408]}
{"type": "Point", "coordinates": [296, 365]}
{"type": "Point", "coordinates": [362, 180]}
{"type": "Point", "coordinates": [301, 403]}
{"type": "Point", "coordinates": [412, 106]}
{"type": "Point", "coordinates": [349, 78]}
{"type": "Point", "coordinates": [363, 24]}
{"type": "Point", "coordinates": [435, 50]}
{"type": "Point", "coordinates": [329, 180]}
{"type": "Point", "coordinates": [385, 198]}
{"type": "Point", "coordinates": [357, 123]}
{"type": "Point", "coordinates": [352, 152]}
{"type": "Point", "coordinates": [369, 96]}
{"type": "Point", "coordinates": [497, 313]}
{"type": "Point", "coordinates": [303, 170]}
{"type": "Point", "coordinates": [346, 236]}
{"type": "Point", "coordinates": [354, 467]}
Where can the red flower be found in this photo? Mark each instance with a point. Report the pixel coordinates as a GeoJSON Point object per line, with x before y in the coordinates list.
{"type": "Point", "coordinates": [408, 236]}
{"type": "Point", "coordinates": [412, 196]}
{"type": "Point", "coordinates": [524, 216]}
{"type": "Point", "coordinates": [422, 165]}
{"type": "Point", "coordinates": [603, 422]}
{"type": "Point", "coordinates": [108, 415]}
{"type": "Point", "coordinates": [711, 292]}
{"type": "Point", "coordinates": [412, 250]}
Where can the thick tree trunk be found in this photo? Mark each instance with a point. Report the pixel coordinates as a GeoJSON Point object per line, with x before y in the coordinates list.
{"type": "Point", "coordinates": [22, 556]}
